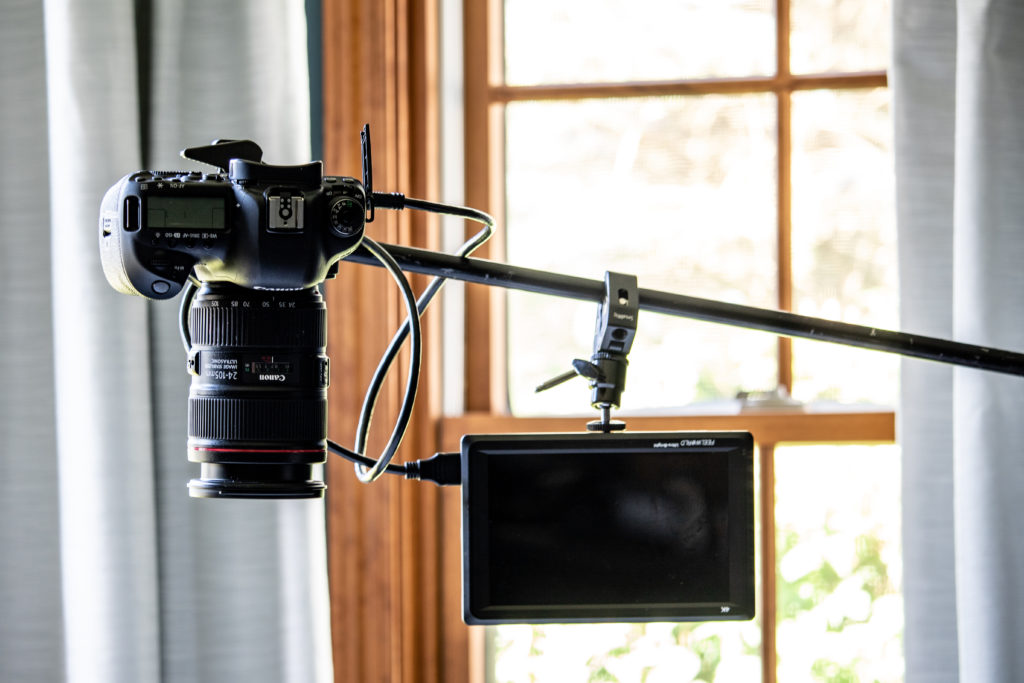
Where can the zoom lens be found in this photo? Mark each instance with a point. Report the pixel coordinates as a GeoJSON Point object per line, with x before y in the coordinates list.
{"type": "Point", "coordinates": [257, 407]}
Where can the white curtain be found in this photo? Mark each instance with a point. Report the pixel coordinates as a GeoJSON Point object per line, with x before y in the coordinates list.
{"type": "Point", "coordinates": [958, 87]}
{"type": "Point", "coordinates": [108, 570]}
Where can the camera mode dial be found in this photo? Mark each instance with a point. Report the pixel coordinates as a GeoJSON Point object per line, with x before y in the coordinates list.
{"type": "Point", "coordinates": [346, 216]}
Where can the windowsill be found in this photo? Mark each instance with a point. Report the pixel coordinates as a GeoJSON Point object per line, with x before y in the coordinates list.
{"type": "Point", "coordinates": [819, 423]}
{"type": "Point", "coordinates": [719, 407]}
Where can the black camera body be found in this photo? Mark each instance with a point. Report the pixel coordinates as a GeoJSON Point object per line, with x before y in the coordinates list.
{"type": "Point", "coordinates": [256, 240]}
{"type": "Point", "coordinates": [258, 226]}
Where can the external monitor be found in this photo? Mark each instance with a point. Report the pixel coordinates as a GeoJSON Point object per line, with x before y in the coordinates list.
{"type": "Point", "coordinates": [593, 527]}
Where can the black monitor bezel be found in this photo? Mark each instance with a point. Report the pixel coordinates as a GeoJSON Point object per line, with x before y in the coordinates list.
{"type": "Point", "coordinates": [737, 446]}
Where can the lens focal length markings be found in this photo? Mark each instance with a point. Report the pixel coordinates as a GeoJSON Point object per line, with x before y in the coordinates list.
{"type": "Point", "coordinates": [260, 369]}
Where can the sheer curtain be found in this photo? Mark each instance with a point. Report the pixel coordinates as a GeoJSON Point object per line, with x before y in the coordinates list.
{"type": "Point", "coordinates": [958, 84]}
{"type": "Point", "coordinates": [108, 571]}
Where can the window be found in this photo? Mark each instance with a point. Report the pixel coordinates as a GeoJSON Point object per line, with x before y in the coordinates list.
{"type": "Point", "coordinates": [732, 150]}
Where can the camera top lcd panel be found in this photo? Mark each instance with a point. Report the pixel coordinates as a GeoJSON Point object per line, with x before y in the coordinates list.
{"type": "Point", "coordinates": [258, 226]}
{"type": "Point", "coordinates": [608, 527]}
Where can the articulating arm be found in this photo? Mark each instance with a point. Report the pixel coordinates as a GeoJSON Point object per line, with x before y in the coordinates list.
{"type": "Point", "coordinates": [782, 323]}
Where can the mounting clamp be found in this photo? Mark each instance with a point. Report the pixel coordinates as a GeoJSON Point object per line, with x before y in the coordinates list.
{"type": "Point", "coordinates": [613, 338]}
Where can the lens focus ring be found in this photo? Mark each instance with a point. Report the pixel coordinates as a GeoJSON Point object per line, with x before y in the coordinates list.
{"type": "Point", "coordinates": [257, 419]}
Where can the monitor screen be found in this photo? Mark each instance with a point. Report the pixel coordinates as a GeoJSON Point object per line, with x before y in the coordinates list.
{"type": "Point", "coordinates": [608, 527]}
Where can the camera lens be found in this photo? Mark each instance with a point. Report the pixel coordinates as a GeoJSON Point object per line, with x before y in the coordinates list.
{"type": "Point", "coordinates": [257, 407]}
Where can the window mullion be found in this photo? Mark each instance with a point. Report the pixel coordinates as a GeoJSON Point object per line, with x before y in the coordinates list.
{"type": "Point", "coordinates": [785, 301]}
{"type": "Point", "coordinates": [784, 185]}
{"type": "Point", "coordinates": [784, 230]}
{"type": "Point", "coordinates": [766, 452]}
{"type": "Point", "coordinates": [484, 67]}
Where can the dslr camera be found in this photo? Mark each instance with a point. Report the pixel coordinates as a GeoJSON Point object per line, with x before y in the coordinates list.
{"type": "Point", "coordinates": [255, 239]}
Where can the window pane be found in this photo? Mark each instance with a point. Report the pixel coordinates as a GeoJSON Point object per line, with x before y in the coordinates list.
{"type": "Point", "coordinates": [712, 652]}
{"type": "Point", "coordinates": [679, 191]}
{"type": "Point", "coordinates": [844, 240]}
{"type": "Point", "coordinates": [839, 35]}
{"type": "Point", "coordinates": [587, 41]}
{"type": "Point", "coordinates": [838, 596]}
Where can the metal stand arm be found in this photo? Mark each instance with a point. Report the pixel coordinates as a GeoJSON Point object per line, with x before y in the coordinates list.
{"type": "Point", "coordinates": [492, 273]}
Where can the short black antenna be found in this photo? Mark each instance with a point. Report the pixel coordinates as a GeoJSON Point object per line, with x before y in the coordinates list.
{"type": "Point", "coordinates": [364, 140]}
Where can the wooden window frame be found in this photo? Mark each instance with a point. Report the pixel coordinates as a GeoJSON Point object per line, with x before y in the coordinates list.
{"type": "Point", "coordinates": [486, 97]}
{"type": "Point", "coordinates": [394, 550]}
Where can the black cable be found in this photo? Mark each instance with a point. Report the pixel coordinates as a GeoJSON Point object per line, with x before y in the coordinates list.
{"type": "Point", "coordinates": [444, 469]}
{"type": "Point", "coordinates": [366, 475]}
{"type": "Point", "coordinates": [398, 202]}
{"type": "Point", "coordinates": [338, 449]}
{"type": "Point", "coordinates": [187, 295]}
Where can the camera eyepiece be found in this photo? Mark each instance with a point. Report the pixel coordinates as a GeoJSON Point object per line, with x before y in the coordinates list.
{"type": "Point", "coordinates": [257, 417]}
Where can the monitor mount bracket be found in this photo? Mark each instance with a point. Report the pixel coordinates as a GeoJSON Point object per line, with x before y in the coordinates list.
{"type": "Point", "coordinates": [613, 338]}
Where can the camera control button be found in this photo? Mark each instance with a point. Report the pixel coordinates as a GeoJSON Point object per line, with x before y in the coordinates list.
{"type": "Point", "coordinates": [161, 287]}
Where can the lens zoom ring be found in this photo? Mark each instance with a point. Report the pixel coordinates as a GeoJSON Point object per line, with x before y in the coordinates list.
{"type": "Point", "coordinates": [254, 419]}
{"type": "Point", "coordinates": [222, 326]}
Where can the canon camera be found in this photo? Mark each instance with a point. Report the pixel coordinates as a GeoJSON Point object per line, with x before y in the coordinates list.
{"type": "Point", "coordinates": [255, 239]}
